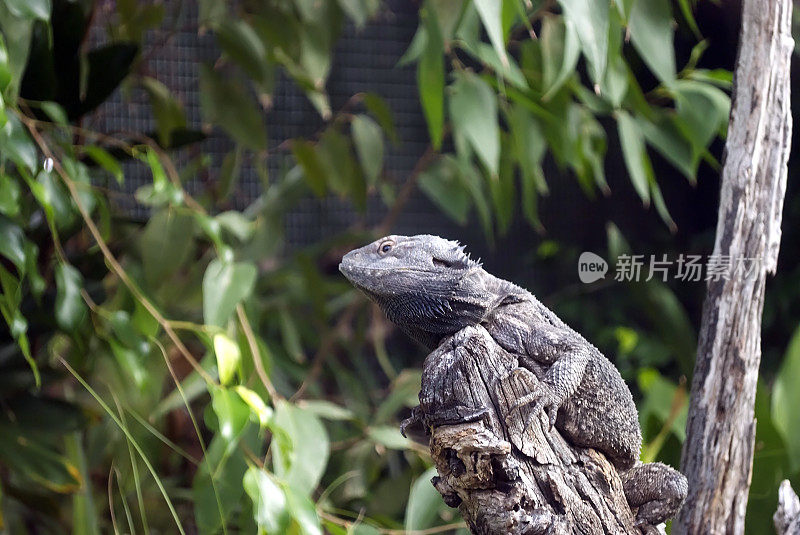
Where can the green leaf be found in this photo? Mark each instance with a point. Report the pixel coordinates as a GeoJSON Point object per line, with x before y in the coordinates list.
{"type": "Point", "coordinates": [3, 115]}
{"type": "Point", "coordinates": [560, 51]}
{"type": "Point", "coordinates": [660, 205]}
{"type": "Point", "coordinates": [529, 146]}
{"type": "Point", "coordinates": [5, 68]}
{"type": "Point", "coordinates": [38, 462]}
{"type": "Point", "coordinates": [721, 78]}
{"type": "Point", "coordinates": [30, 9]}
{"type": "Point", "coordinates": [85, 520]}
{"type": "Point", "coordinates": [40, 413]}
{"type": "Point", "coordinates": [229, 173]}
{"type": "Point", "coordinates": [662, 397]}
{"type": "Point", "coordinates": [17, 36]}
{"type": "Point", "coordinates": [12, 244]}
{"type": "Point", "coordinates": [686, 9]}
{"type": "Point", "coordinates": [162, 191]}
{"type": "Point", "coordinates": [167, 111]}
{"type": "Point", "coordinates": [211, 11]}
{"type": "Point", "coordinates": [241, 43]}
{"type": "Point", "coordinates": [424, 502]}
{"type": "Point", "coordinates": [415, 49]}
{"type": "Point", "coordinates": [368, 139]}
{"type": "Point", "coordinates": [313, 171]}
{"type": "Point", "coordinates": [106, 161]}
{"type": "Point", "coordinates": [132, 364]}
{"type": "Point", "coordinates": [166, 244]}
{"type": "Point", "coordinates": [786, 399]}
{"type": "Point", "coordinates": [225, 285]}
{"type": "Point", "coordinates": [303, 511]}
{"type": "Point", "coordinates": [430, 78]}
{"type": "Point", "coordinates": [55, 199]}
{"type": "Point", "coordinates": [232, 414]}
{"type": "Point", "coordinates": [702, 111]}
{"type": "Point", "coordinates": [473, 112]}
{"type": "Point", "coordinates": [650, 25]}
{"type": "Point", "coordinates": [503, 189]}
{"type": "Point", "coordinates": [378, 108]}
{"type": "Point", "coordinates": [217, 489]}
{"type": "Point", "coordinates": [228, 357]}
{"type": "Point", "coordinates": [490, 12]}
{"type": "Point", "coordinates": [236, 224]}
{"type": "Point", "coordinates": [16, 145]}
{"type": "Point", "coordinates": [442, 184]}
{"type": "Point", "coordinates": [106, 67]}
{"type": "Point", "coordinates": [126, 331]}
{"type": "Point", "coordinates": [326, 409]}
{"type": "Point", "coordinates": [615, 83]}
{"type": "Point", "coordinates": [635, 155]}
{"type": "Point", "coordinates": [302, 462]}
{"type": "Point", "coordinates": [449, 14]}
{"type": "Point", "coordinates": [70, 310]}
{"type": "Point", "coordinates": [590, 19]}
{"type": "Point", "coordinates": [475, 184]}
{"type": "Point", "coordinates": [664, 136]}
{"type": "Point", "coordinates": [509, 70]}
{"type": "Point", "coordinates": [343, 172]}
{"type": "Point", "coordinates": [269, 501]}
{"type": "Point", "coordinates": [225, 103]}
{"type": "Point", "coordinates": [35, 279]}
{"type": "Point", "coordinates": [404, 393]}
{"type": "Point", "coordinates": [770, 464]}
{"type": "Point", "coordinates": [256, 404]}
{"type": "Point", "coordinates": [55, 112]}
{"type": "Point", "coordinates": [389, 436]}
{"type": "Point", "coordinates": [359, 11]}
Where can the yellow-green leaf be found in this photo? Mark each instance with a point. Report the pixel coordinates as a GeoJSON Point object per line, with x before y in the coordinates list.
{"type": "Point", "coordinates": [228, 358]}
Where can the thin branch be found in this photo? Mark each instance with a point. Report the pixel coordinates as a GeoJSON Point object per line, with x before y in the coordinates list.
{"type": "Point", "coordinates": [325, 347]}
{"type": "Point", "coordinates": [254, 350]}
{"type": "Point", "coordinates": [109, 256]}
{"type": "Point", "coordinates": [405, 192]}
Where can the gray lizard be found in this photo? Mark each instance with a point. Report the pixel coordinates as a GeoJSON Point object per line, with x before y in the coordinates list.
{"type": "Point", "coordinates": [430, 288]}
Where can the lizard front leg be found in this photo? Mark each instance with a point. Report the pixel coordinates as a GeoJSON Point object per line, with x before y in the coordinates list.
{"type": "Point", "coordinates": [556, 356]}
{"type": "Point", "coordinates": [559, 383]}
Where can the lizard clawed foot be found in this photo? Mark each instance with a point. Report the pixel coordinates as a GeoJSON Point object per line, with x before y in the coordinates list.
{"type": "Point", "coordinates": [544, 399]}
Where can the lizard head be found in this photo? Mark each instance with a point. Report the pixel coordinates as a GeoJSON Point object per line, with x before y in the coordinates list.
{"type": "Point", "coordinates": [425, 284]}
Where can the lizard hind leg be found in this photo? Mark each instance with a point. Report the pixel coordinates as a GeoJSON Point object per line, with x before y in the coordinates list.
{"type": "Point", "coordinates": [655, 491]}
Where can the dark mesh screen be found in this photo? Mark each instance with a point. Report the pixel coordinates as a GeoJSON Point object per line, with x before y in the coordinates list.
{"type": "Point", "coordinates": [364, 60]}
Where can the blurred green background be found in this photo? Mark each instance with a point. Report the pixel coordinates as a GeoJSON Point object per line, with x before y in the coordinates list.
{"type": "Point", "coordinates": [178, 181]}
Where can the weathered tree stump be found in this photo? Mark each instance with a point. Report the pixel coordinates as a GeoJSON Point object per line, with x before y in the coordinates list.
{"type": "Point", "coordinates": [787, 517]}
{"type": "Point", "coordinates": [504, 479]}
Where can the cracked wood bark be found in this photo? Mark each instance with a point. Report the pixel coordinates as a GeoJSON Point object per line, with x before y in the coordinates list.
{"type": "Point", "coordinates": [787, 516]}
{"type": "Point", "coordinates": [505, 483]}
{"type": "Point", "coordinates": [720, 431]}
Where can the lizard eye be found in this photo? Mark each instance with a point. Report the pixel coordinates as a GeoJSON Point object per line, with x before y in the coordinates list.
{"type": "Point", "coordinates": [385, 246]}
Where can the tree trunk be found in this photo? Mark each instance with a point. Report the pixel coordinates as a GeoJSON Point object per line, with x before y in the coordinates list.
{"type": "Point", "coordinates": [540, 485]}
{"type": "Point", "coordinates": [720, 431]}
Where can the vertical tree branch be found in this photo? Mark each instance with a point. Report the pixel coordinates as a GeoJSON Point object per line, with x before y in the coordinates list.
{"type": "Point", "coordinates": [718, 453]}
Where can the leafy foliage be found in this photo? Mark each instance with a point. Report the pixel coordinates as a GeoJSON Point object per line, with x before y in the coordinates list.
{"type": "Point", "coordinates": [186, 372]}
